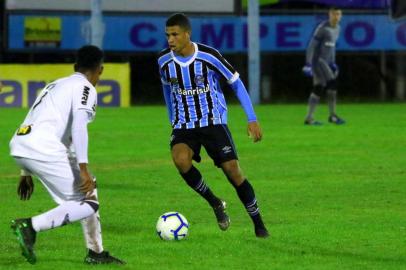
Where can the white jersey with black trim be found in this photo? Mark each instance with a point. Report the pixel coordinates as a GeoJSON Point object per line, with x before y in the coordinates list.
{"type": "Point", "coordinates": [46, 133]}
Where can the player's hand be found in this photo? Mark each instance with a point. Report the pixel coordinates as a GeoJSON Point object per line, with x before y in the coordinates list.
{"type": "Point", "coordinates": [334, 68]}
{"type": "Point", "coordinates": [254, 131]}
{"type": "Point", "coordinates": [25, 188]}
{"type": "Point", "coordinates": [87, 185]}
{"type": "Point", "coordinates": [307, 70]}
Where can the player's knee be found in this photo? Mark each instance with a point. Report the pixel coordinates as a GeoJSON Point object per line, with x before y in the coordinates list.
{"type": "Point", "coordinates": [93, 204]}
{"type": "Point", "coordinates": [182, 161]}
{"type": "Point", "coordinates": [233, 172]}
{"type": "Point", "coordinates": [331, 85]}
{"type": "Point", "coordinates": [318, 90]}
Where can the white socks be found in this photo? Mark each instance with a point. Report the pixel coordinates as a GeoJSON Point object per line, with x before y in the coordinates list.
{"type": "Point", "coordinates": [63, 214]}
{"type": "Point", "coordinates": [92, 231]}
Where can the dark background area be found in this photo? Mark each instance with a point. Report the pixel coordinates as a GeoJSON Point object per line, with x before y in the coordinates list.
{"type": "Point", "coordinates": [360, 80]}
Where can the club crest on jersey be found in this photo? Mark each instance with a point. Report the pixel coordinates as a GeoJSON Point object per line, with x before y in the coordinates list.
{"type": "Point", "coordinates": [24, 130]}
{"type": "Point", "coordinates": [174, 81]}
{"type": "Point", "coordinates": [85, 95]}
{"type": "Point", "coordinates": [199, 79]}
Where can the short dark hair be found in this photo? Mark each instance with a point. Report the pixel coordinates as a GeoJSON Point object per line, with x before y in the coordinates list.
{"type": "Point", "coordinates": [89, 57]}
{"type": "Point", "coordinates": [180, 20]}
{"type": "Point", "coordinates": [334, 8]}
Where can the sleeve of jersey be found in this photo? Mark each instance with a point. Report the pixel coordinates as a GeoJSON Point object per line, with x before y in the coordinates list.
{"type": "Point", "coordinates": [167, 95]}
{"type": "Point", "coordinates": [85, 98]}
{"type": "Point", "coordinates": [313, 44]}
{"type": "Point", "coordinates": [244, 98]}
{"type": "Point", "coordinates": [79, 134]}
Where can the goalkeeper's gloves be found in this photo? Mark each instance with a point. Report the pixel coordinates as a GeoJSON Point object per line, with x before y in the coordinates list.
{"type": "Point", "coordinates": [334, 68]}
{"type": "Point", "coordinates": [307, 70]}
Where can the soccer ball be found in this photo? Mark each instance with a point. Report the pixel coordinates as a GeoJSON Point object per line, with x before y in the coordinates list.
{"type": "Point", "coordinates": [172, 226]}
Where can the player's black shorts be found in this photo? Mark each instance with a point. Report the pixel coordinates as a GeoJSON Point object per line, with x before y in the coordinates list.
{"type": "Point", "coordinates": [216, 140]}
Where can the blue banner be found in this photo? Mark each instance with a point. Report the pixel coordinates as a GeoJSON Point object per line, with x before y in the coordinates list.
{"type": "Point", "coordinates": [226, 33]}
{"type": "Point", "coordinates": [380, 4]}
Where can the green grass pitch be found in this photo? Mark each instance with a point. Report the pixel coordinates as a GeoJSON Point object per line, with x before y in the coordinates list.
{"type": "Point", "coordinates": [333, 197]}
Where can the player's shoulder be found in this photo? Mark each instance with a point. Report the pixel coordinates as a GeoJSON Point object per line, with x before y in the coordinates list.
{"type": "Point", "coordinates": [164, 56]}
{"type": "Point", "coordinates": [79, 84]}
{"type": "Point", "coordinates": [208, 49]}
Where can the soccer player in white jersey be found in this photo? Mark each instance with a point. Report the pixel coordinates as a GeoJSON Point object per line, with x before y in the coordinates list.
{"type": "Point", "coordinates": [51, 144]}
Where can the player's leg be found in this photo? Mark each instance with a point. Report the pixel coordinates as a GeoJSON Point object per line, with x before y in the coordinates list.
{"type": "Point", "coordinates": [58, 179]}
{"type": "Point", "coordinates": [314, 98]}
{"type": "Point", "coordinates": [331, 88]}
{"type": "Point", "coordinates": [330, 77]}
{"type": "Point", "coordinates": [62, 181]}
{"type": "Point", "coordinates": [185, 148]}
{"type": "Point", "coordinates": [246, 194]}
{"type": "Point", "coordinates": [220, 147]}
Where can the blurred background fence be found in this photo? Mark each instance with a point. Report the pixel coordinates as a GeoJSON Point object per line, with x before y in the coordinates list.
{"type": "Point", "coordinates": [370, 53]}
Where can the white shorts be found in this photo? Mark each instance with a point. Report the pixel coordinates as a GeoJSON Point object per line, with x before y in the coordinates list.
{"type": "Point", "coordinates": [60, 178]}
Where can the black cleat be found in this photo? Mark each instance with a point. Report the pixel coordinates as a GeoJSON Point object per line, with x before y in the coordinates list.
{"type": "Point", "coordinates": [222, 218]}
{"type": "Point", "coordinates": [334, 119]}
{"type": "Point", "coordinates": [261, 232]}
{"type": "Point", "coordinates": [26, 236]}
{"type": "Point", "coordinates": [101, 258]}
{"type": "Point", "coordinates": [312, 122]}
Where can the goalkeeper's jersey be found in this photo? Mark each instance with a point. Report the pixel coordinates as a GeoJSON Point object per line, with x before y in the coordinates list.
{"type": "Point", "coordinates": [323, 44]}
{"type": "Point", "coordinates": [46, 132]}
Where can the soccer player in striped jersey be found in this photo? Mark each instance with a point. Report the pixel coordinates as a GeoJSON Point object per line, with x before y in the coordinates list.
{"type": "Point", "coordinates": [321, 65]}
{"type": "Point", "coordinates": [190, 74]}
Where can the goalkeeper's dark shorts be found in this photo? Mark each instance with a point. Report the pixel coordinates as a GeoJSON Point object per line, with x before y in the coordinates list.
{"type": "Point", "coordinates": [216, 139]}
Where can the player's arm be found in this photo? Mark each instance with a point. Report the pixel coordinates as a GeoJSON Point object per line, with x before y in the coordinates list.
{"type": "Point", "coordinates": [80, 142]}
{"type": "Point", "coordinates": [314, 44]}
{"type": "Point", "coordinates": [254, 129]}
{"type": "Point", "coordinates": [166, 88]}
{"type": "Point", "coordinates": [26, 185]}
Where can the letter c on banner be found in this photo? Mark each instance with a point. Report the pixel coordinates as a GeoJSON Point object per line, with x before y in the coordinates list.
{"type": "Point", "coordinates": [354, 37]}
{"type": "Point", "coordinates": [137, 35]}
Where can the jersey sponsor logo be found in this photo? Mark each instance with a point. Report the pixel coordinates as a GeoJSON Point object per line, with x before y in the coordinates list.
{"type": "Point", "coordinates": [192, 92]}
{"type": "Point", "coordinates": [330, 44]}
{"type": "Point", "coordinates": [85, 95]}
{"type": "Point", "coordinates": [24, 130]}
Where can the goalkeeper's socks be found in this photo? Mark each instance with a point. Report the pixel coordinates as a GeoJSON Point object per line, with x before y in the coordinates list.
{"type": "Point", "coordinates": [332, 100]}
{"type": "Point", "coordinates": [63, 214]}
{"type": "Point", "coordinates": [313, 102]}
{"type": "Point", "coordinates": [195, 180]}
{"type": "Point", "coordinates": [247, 196]}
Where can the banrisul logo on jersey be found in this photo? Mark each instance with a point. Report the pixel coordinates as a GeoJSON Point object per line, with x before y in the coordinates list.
{"type": "Point", "coordinates": [192, 92]}
{"type": "Point", "coordinates": [22, 84]}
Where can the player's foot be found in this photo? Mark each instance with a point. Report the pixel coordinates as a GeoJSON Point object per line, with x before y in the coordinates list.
{"type": "Point", "coordinates": [261, 232]}
{"type": "Point", "coordinates": [312, 122]}
{"type": "Point", "coordinates": [101, 258]}
{"type": "Point", "coordinates": [222, 218]}
{"type": "Point", "coordinates": [26, 235]}
{"type": "Point", "coordinates": [336, 120]}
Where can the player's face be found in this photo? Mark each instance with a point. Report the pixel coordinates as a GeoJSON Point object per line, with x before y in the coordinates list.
{"type": "Point", "coordinates": [335, 17]}
{"type": "Point", "coordinates": [177, 38]}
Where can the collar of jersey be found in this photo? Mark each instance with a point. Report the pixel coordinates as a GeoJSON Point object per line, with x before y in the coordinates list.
{"type": "Point", "coordinates": [185, 64]}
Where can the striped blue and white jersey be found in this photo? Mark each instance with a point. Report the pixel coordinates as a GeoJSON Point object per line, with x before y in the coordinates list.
{"type": "Point", "coordinates": [192, 87]}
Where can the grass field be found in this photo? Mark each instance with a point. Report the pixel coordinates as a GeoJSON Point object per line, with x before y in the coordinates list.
{"type": "Point", "coordinates": [333, 197]}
